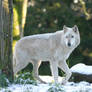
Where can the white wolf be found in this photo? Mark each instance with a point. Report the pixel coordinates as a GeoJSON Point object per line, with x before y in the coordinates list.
{"type": "Point", "coordinates": [53, 47]}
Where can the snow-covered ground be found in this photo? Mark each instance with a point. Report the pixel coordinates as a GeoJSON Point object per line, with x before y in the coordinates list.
{"type": "Point", "coordinates": [82, 68]}
{"type": "Point", "coordinates": [50, 87]}
{"type": "Point", "coordinates": [69, 87]}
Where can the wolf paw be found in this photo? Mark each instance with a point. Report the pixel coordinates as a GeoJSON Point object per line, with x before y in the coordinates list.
{"type": "Point", "coordinates": [64, 81]}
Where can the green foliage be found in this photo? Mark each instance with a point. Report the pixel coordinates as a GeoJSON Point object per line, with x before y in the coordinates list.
{"type": "Point", "coordinates": [4, 82]}
{"type": "Point", "coordinates": [75, 58]}
{"type": "Point", "coordinates": [47, 16]}
{"type": "Point", "coordinates": [45, 66]}
{"type": "Point", "coordinates": [56, 88]}
{"type": "Point", "coordinates": [25, 78]}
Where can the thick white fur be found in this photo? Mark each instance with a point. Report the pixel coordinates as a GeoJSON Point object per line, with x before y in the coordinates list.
{"type": "Point", "coordinates": [52, 47]}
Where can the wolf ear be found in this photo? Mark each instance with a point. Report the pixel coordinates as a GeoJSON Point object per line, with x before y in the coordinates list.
{"type": "Point", "coordinates": [64, 28]}
{"type": "Point", "coordinates": [75, 28]}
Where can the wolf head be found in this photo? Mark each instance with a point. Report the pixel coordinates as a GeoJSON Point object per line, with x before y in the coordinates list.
{"type": "Point", "coordinates": [71, 37]}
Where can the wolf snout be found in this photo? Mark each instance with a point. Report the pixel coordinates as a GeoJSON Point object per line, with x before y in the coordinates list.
{"type": "Point", "coordinates": [69, 44]}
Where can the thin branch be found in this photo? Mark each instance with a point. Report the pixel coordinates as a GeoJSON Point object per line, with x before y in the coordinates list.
{"type": "Point", "coordinates": [84, 9]}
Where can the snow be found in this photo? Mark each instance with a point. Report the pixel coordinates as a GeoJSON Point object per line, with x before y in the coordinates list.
{"type": "Point", "coordinates": [69, 87]}
{"type": "Point", "coordinates": [49, 79]}
{"type": "Point", "coordinates": [82, 68]}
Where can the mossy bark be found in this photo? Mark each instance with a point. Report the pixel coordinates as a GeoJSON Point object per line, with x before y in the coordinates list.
{"type": "Point", "coordinates": [6, 23]}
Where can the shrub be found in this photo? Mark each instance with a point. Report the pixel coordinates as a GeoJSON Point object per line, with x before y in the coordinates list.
{"type": "Point", "coordinates": [25, 78]}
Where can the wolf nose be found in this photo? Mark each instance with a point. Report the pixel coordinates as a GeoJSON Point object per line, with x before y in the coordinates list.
{"type": "Point", "coordinates": [69, 44]}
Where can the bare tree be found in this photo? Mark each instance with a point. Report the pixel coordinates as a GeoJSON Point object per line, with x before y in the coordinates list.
{"type": "Point", "coordinates": [23, 18]}
{"type": "Point", "coordinates": [6, 23]}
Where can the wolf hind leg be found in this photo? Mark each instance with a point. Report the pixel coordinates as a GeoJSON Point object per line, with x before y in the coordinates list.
{"type": "Point", "coordinates": [36, 65]}
{"type": "Point", "coordinates": [18, 64]}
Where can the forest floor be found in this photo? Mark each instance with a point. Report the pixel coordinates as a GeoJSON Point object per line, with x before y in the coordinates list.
{"type": "Point", "coordinates": [49, 87]}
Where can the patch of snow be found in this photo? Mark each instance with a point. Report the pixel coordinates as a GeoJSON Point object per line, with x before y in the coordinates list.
{"type": "Point", "coordinates": [69, 87]}
{"type": "Point", "coordinates": [82, 68]}
{"type": "Point", "coordinates": [78, 87]}
{"type": "Point", "coordinates": [49, 79]}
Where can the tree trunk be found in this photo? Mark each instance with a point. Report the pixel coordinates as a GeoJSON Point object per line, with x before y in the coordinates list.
{"type": "Point", "coordinates": [20, 11]}
{"type": "Point", "coordinates": [23, 18]}
{"type": "Point", "coordinates": [6, 23]}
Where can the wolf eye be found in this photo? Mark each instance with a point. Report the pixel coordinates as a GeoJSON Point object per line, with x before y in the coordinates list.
{"type": "Point", "coordinates": [72, 36]}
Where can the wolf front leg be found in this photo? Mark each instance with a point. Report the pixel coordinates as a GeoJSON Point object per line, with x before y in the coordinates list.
{"type": "Point", "coordinates": [54, 70]}
{"type": "Point", "coordinates": [63, 66]}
